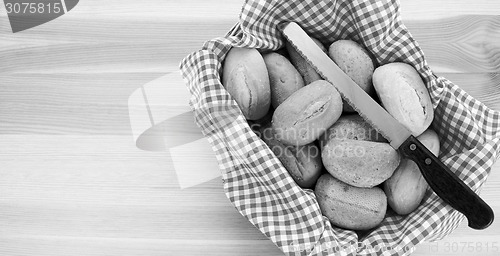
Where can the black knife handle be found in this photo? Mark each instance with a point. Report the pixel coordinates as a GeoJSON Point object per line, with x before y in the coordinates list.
{"type": "Point", "coordinates": [447, 185]}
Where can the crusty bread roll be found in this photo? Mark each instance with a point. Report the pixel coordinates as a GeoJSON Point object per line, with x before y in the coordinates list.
{"type": "Point", "coordinates": [246, 79]}
{"type": "Point", "coordinates": [359, 163]}
{"type": "Point", "coordinates": [350, 207]}
{"type": "Point", "coordinates": [283, 77]}
{"type": "Point", "coordinates": [355, 153]}
{"type": "Point", "coordinates": [404, 95]}
{"type": "Point", "coordinates": [430, 139]}
{"type": "Point", "coordinates": [307, 113]}
{"type": "Point", "coordinates": [355, 61]}
{"type": "Point", "coordinates": [352, 127]}
{"type": "Point", "coordinates": [305, 69]}
{"type": "Point", "coordinates": [303, 163]}
{"type": "Point", "coordinates": [406, 187]}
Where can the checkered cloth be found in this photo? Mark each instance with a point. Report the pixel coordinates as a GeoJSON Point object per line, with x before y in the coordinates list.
{"type": "Point", "coordinates": [256, 182]}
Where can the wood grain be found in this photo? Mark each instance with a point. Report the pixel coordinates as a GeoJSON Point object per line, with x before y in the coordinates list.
{"type": "Point", "coordinates": [436, 10]}
{"type": "Point", "coordinates": [74, 183]}
{"type": "Point", "coordinates": [465, 44]}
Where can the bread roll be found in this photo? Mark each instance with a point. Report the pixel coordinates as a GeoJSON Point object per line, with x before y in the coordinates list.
{"type": "Point", "coordinates": [307, 113]}
{"type": "Point", "coordinates": [430, 139]}
{"type": "Point", "coordinates": [303, 163]}
{"type": "Point", "coordinates": [350, 207]}
{"type": "Point", "coordinates": [359, 163]}
{"type": "Point", "coordinates": [352, 127]}
{"type": "Point", "coordinates": [356, 62]}
{"type": "Point", "coordinates": [406, 187]}
{"type": "Point", "coordinates": [404, 95]}
{"type": "Point", "coordinates": [305, 69]}
{"type": "Point", "coordinates": [246, 79]}
{"type": "Point", "coordinates": [283, 77]}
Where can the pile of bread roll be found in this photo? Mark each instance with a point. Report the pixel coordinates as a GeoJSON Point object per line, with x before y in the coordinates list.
{"type": "Point", "coordinates": [321, 140]}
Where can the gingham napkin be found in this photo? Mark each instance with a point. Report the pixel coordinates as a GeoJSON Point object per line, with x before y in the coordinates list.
{"type": "Point", "coordinates": [256, 182]}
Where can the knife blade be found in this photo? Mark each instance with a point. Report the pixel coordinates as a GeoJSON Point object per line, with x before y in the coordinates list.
{"type": "Point", "coordinates": [444, 182]}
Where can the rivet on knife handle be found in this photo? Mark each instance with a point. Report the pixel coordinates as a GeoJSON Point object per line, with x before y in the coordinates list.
{"type": "Point", "coordinates": [447, 185]}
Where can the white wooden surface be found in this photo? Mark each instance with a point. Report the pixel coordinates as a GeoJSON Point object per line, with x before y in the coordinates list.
{"type": "Point", "coordinates": [72, 181]}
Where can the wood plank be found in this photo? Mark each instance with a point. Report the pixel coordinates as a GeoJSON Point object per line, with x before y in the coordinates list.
{"type": "Point", "coordinates": [432, 10]}
{"type": "Point", "coordinates": [74, 103]}
{"type": "Point", "coordinates": [103, 186]}
{"type": "Point", "coordinates": [96, 246]}
{"type": "Point", "coordinates": [163, 9]}
{"type": "Point", "coordinates": [468, 44]}
{"type": "Point", "coordinates": [103, 49]}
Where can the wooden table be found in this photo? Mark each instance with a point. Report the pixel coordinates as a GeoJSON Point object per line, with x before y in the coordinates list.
{"type": "Point", "coordinates": [73, 181]}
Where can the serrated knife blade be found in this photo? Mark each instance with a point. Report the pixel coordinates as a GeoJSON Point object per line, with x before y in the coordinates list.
{"type": "Point", "coordinates": [444, 182]}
